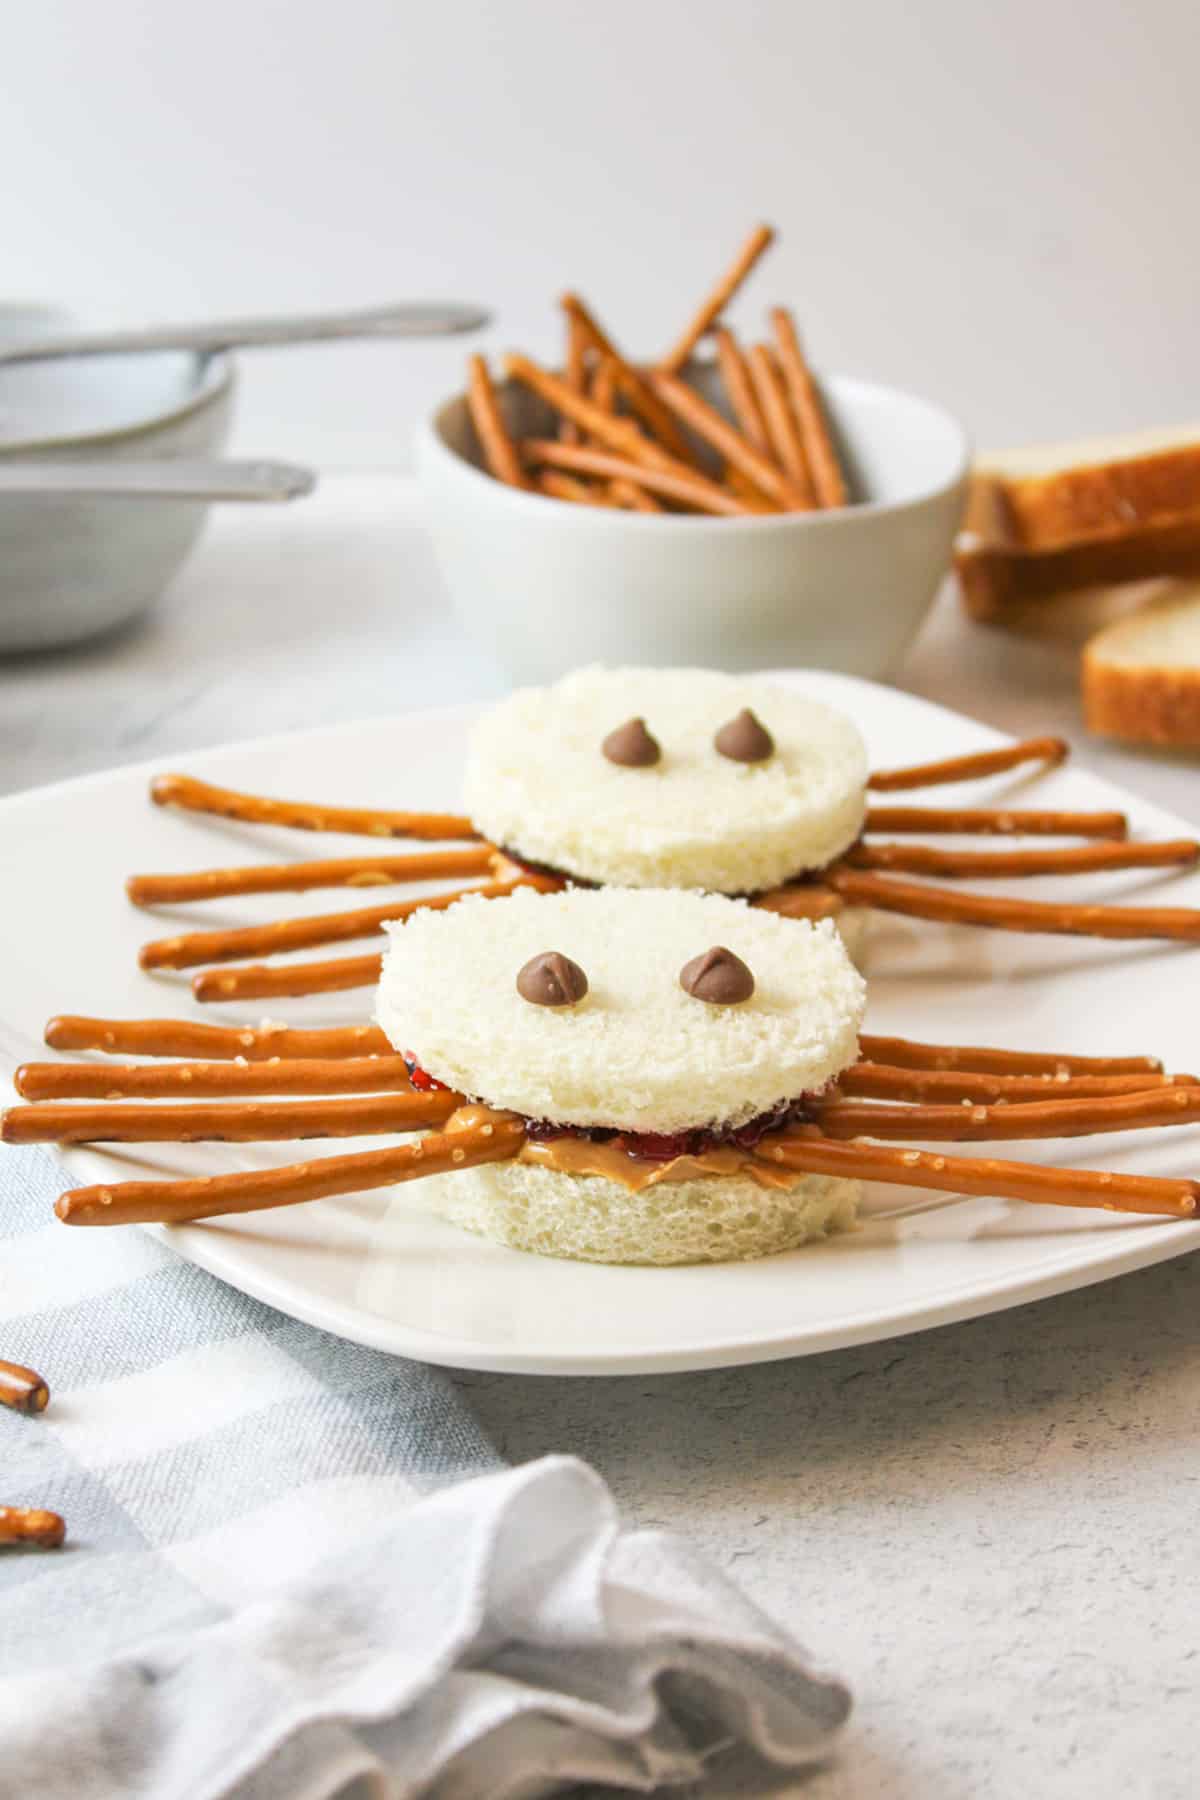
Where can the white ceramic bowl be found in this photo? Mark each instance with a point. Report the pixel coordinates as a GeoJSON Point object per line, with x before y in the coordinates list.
{"type": "Point", "coordinates": [548, 585]}
{"type": "Point", "coordinates": [71, 568]}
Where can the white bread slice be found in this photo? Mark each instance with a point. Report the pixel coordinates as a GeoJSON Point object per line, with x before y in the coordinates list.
{"type": "Point", "coordinates": [727, 1218]}
{"type": "Point", "coordinates": [1141, 675]}
{"type": "Point", "coordinates": [1050, 496]}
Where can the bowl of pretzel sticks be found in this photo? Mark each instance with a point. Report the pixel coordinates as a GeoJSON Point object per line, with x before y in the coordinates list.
{"type": "Point", "coordinates": [719, 505]}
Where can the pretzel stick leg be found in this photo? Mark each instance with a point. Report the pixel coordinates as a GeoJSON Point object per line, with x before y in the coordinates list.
{"type": "Point", "coordinates": [877, 1081]}
{"type": "Point", "coordinates": [708, 424]}
{"type": "Point", "coordinates": [1073, 859]}
{"type": "Point", "coordinates": [211, 1080]}
{"type": "Point", "coordinates": [255, 809]}
{"type": "Point", "coordinates": [499, 451]}
{"type": "Point", "coordinates": [718, 298]}
{"type": "Point", "coordinates": [52, 1122]}
{"type": "Point", "coordinates": [197, 947]}
{"type": "Point", "coordinates": [1048, 750]}
{"type": "Point", "coordinates": [1179, 924]}
{"type": "Point", "coordinates": [987, 821]}
{"type": "Point", "coordinates": [31, 1525]}
{"type": "Point", "coordinates": [905, 1053]}
{"type": "Point", "coordinates": [809, 411]}
{"type": "Point", "coordinates": [814, 1154]}
{"type": "Point", "coordinates": [495, 1139]}
{"type": "Point", "coordinates": [987, 1124]}
{"type": "Point", "coordinates": [22, 1389]}
{"type": "Point", "coordinates": [181, 1037]}
{"type": "Point", "coordinates": [635, 497]}
{"type": "Point", "coordinates": [264, 981]}
{"type": "Point", "coordinates": [804, 900]}
{"type": "Point", "coordinates": [300, 878]}
{"type": "Point", "coordinates": [692, 489]}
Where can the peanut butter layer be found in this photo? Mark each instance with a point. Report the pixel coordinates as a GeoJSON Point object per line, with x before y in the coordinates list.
{"type": "Point", "coordinates": [580, 1156]}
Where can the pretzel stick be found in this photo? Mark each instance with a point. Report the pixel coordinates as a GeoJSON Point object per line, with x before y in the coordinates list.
{"type": "Point", "coordinates": [574, 374]}
{"type": "Point", "coordinates": [299, 878]}
{"type": "Point", "coordinates": [1035, 1119]}
{"type": "Point", "coordinates": [739, 390]}
{"type": "Point", "coordinates": [708, 424]}
{"type": "Point", "coordinates": [497, 1139]}
{"type": "Point", "coordinates": [254, 809]}
{"type": "Point", "coordinates": [211, 1080]}
{"type": "Point", "coordinates": [181, 1037]}
{"type": "Point", "coordinates": [621, 435]}
{"type": "Point", "coordinates": [263, 981]}
{"type": "Point", "coordinates": [1048, 750]}
{"type": "Point", "coordinates": [809, 412]}
{"type": "Point", "coordinates": [781, 427]}
{"type": "Point", "coordinates": [569, 487]}
{"type": "Point", "coordinates": [693, 490]}
{"type": "Point", "coordinates": [988, 821]}
{"type": "Point", "coordinates": [905, 1053]}
{"type": "Point", "coordinates": [879, 1081]}
{"type": "Point", "coordinates": [718, 299]}
{"type": "Point", "coordinates": [1179, 924]}
{"type": "Point", "coordinates": [806, 1150]}
{"type": "Point", "coordinates": [635, 498]}
{"type": "Point", "coordinates": [225, 1123]}
{"type": "Point", "coordinates": [22, 1389]}
{"type": "Point", "coordinates": [804, 900]}
{"type": "Point", "coordinates": [31, 1525]}
{"type": "Point", "coordinates": [603, 389]}
{"type": "Point", "coordinates": [642, 399]}
{"type": "Point", "coordinates": [1076, 859]}
{"type": "Point", "coordinates": [196, 947]}
{"type": "Point", "coordinates": [499, 451]}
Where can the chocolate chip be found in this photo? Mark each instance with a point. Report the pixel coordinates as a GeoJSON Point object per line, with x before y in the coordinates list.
{"type": "Point", "coordinates": [718, 977]}
{"type": "Point", "coordinates": [631, 746]}
{"type": "Point", "coordinates": [745, 739]}
{"type": "Point", "coordinates": [551, 979]}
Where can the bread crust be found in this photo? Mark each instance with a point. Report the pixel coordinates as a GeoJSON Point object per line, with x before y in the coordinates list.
{"type": "Point", "coordinates": [996, 580]}
{"type": "Point", "coordinates": [1101, 500]}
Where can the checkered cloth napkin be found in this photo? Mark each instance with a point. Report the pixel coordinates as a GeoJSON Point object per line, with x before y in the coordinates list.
{"type": "Point", "coordinates": [279, 1583]}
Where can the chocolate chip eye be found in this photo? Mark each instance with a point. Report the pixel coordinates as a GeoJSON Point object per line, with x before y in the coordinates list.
{"type": "Point", "coordinates": [631, 746]}
{"type": "Point", "coordinates": [719, 978]}
{"type": "Point", "coordinates": [551, 979]}
{"type": "Point", "coordinates": [745, 739]}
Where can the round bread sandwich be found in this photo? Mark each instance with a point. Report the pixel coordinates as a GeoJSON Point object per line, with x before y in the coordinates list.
{"type": "Point", "coordinates": [648, 1040]}
{"type": "Point", "coordinates": [669, 778]}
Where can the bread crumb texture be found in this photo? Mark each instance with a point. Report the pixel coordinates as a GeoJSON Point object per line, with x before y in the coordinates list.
{"type": "Point", "coordinates": [1141, 675]}
{"type": "Point", "coordinates": [538, 783]}
{"type": "Point", "coordinates": [637, 1052]}
{"type": "Point", "coordinates": [726, 1218]}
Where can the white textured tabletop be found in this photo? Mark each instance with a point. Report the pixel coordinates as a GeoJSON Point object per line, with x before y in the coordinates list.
{"type": "Point", "coordinates": [986, 1528]}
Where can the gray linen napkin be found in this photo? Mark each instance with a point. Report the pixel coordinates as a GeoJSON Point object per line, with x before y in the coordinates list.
{"type": "Point", "coordinates": [279, 1582]}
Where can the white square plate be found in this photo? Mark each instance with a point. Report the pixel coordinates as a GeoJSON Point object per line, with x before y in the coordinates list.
{"type": "Point", "coordinates": [379, 1271]}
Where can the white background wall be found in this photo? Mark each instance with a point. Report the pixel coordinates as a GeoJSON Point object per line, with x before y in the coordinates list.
{"type": "Point", "coordinates": [992, 203]}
